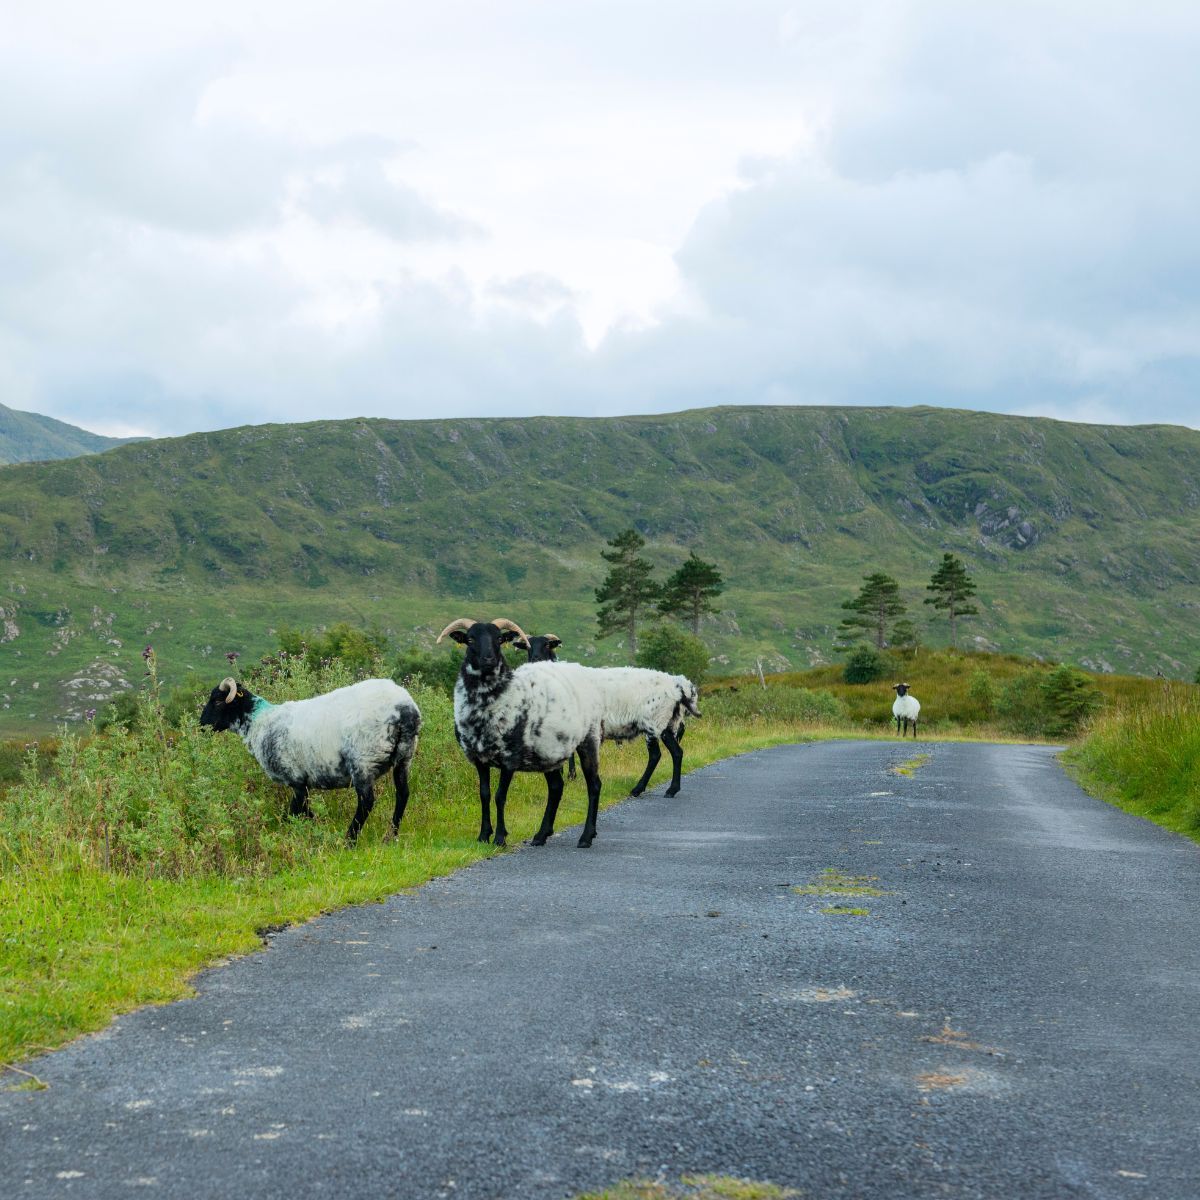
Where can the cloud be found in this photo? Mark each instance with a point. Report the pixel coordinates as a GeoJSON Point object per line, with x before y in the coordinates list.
{"type": "Point", "coordinates": [601, 209]}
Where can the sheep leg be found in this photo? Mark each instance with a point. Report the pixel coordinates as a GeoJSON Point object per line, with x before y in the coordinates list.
{"type": "Point", "coordinates": [300, 806]}
{"type": "Point", "coordinates": [654, 754]}
{"type": "Point", "coordinates": [571, 768]}
{"type": "Point", "coordinates": [501, 796]}
{"type": "Point", "coordinates": [554, 791]}
{"type": "Point", "coordinates": [485, 802]}
{"type": "Point", "coordinates": [366, 802]}
{"type": "Point", "coordinates": [914, 729]}
{"type": "Point", "coordinates": [675, 750]}
{"type": "Point", "coordinates": [589, 761]}
{"type": "Point", "coordinates": [400, 779]}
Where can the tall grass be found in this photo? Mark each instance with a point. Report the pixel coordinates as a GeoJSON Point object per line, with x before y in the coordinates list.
{"type": "Point", "coordinates": [1145, 757]}
{"type": "Point", "coordinates": [131, 858]}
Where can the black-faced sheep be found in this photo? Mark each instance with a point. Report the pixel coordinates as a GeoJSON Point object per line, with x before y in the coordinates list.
{"type": "Point", "coordinates": [530, 719]}
{"type": "Point", "coordinates": [345, 738]}
{"type": "Point", "coordinates": [905, 708]}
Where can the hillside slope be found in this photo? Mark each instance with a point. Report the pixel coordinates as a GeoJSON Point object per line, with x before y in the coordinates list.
{"type": "Point", "coordinates": [31, 437]}
{"type": "Point", "coordinates": [1085, 540]}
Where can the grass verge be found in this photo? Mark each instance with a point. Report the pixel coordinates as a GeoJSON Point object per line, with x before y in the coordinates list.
{"type": "Point", "coordinates": [80, 943]}
{"type": "Point", "coordinates": [1145, 758]}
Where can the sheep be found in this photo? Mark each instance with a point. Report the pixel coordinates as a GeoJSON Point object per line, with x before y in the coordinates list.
{"type": "Point", "coordinates": [347, 737]}
{"type": "Point", "coordinates": [638, 701]}
{"type": "Point", "coordinates": [905, 708]}
{"type": "Point", "coordinates": [541, 649]}
{"type": "Point", "coordinates": [528, 719]}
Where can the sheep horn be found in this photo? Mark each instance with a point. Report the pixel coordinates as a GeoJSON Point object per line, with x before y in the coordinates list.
{"type": "Point", "coordinates": [228, 685]}
{"type": "Point", "coordinates": [461, 623]}
{"type": "Point", "coordinates": [552, 636]}
{"type": "Point", "coordinates": [505, 623]}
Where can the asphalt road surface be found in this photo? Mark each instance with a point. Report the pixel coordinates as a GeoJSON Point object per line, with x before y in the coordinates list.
{"type": "Point", "coordinates": [1018, 1015]}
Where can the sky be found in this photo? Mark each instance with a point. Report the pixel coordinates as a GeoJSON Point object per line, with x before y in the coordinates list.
{"type": "Point", "coordinates": [242, 212]}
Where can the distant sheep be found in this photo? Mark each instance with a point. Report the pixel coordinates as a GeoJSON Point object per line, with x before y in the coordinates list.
{"type": "Point", "coordinates": [530, 719]}
{"type": "Point", "coordinates": [905, 708]}
{"type": "Point", "coordinates": [345, 738]}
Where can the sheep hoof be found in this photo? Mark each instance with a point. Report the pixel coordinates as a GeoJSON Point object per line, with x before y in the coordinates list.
{"type": "Point", "coordinates": [501, 840]}
{"type": "Point", "coordinates": [584, 842]}
{"type": "Point", "coordinates": [637, 791]}
{"type": "Point", "coordinates": [671, 792]}
{"type": "Point", "coordinates": [484, 837]}
{"type": "Point", "coordinates": [538, 839]}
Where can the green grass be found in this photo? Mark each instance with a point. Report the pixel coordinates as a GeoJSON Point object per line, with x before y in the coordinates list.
{"type": "Point", "coordinates": [1145, 758]}
{"type": "Point", "coordinates": [910, 766]}
{"type": "Point", "coordinates": [832, 882]}
{"type": "Point", "coordinates": [845, 910]}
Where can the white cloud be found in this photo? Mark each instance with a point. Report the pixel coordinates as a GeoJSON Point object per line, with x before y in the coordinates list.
{"type": "Point", "coordinates": [280, 212]}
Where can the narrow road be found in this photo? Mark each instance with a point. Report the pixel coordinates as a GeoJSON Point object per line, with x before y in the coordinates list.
{"type": "Point", "coordinates": [1017, 1015]}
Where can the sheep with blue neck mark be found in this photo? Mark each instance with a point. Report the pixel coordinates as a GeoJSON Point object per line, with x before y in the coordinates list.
{"type": "Point", "coordinates": [349, 737]}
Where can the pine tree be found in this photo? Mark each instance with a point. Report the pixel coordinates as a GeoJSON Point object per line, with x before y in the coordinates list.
{"type": "Point", "coordinates": [627, 591]}
{"type": "Point", "coordinates": [873, 609]}
{"type": "Point", "coordinates": [690, 592]}
{"type": "Point", "coordinates": [952, 590]}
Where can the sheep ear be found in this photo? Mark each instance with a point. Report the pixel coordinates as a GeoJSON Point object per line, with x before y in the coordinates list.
{"type": "Point", "coordinates": [553, 642]}
{"type": "Point", "coordinates": [458, 636]}
{"type": "Point", "coordinates": [511, 635]}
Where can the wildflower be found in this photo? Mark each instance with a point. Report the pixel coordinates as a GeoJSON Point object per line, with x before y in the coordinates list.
{"type": "Point", "coordinates": [148, 653]}
{"type": "Point", "coordinates": [89, 714]}
{"type": "Point", "coordinates": [232, 657]}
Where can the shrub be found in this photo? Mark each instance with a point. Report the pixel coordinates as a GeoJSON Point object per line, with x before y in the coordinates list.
{"type": "Point", "coordinates": [1070, 698]}
{"type": "Point", "coordinates": [418, 665]}
{"type": "Point", "coordinates": [754, 704]}
{"type": "Point", "coordinates": [864, 665]}
{"type": "Point", "coordinates": [361, 650]}
{"type": "Point", "coordinates": [666, 648]}
{"type": "Point", "coordinates": [981, 691]}
{"type": "Point", "coordinates": [1055, 703]}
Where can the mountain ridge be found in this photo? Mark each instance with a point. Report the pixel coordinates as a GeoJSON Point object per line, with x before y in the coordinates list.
{"type": "Point", "coordinates": [33, 437]}
{"type": "Point", "coordinates": [1085, 539]}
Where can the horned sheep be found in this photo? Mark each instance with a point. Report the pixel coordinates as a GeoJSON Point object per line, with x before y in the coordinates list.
{"type": "Point", "coordinates": [347, 737]}
{"type": "Point", "coordinates": [527, 719]}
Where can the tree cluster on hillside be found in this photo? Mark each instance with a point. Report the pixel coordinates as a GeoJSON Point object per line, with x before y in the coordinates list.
{"type": "Point", "coordinates": [878, 613]}
{"type": "Point", "coordinates": [629, 594]}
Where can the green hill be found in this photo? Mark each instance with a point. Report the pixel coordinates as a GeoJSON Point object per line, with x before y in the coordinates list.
{"type": "Point", "coordinates": [30, 437]}
{"type": "Point", "coordinates": [1084, 540]}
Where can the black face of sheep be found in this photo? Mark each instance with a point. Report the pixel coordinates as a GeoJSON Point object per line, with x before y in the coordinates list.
{"type": "Point", "coordinates": [899, 688]}
{"type": "Point", "coordinates": [228, 703]}
{"type": "Point", "coordinates": [483, 641]}
{"type": "Point", "coordinates": [542, 648]}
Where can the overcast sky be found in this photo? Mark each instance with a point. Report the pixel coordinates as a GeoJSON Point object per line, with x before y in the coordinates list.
{"type": "Point", "coordinates": [243, 212]}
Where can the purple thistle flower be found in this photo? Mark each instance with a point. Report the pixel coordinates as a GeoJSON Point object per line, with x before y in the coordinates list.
{"type": "Point", "coordinates": [148, 653]}
{"type": "Point", "coordinates": [232, 657]}
{"type": "Point", "coordinates": [89, 714]}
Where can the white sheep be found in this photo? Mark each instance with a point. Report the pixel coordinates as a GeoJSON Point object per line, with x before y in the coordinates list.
{"type": "Point", "coordinates": [530, 719]}
{"type": "Point", "coordinates": [905, 708]}
{"type": "Point", "coordinates": [348, 737]}
{"type": "Point", "coordinates": [639, 702]}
